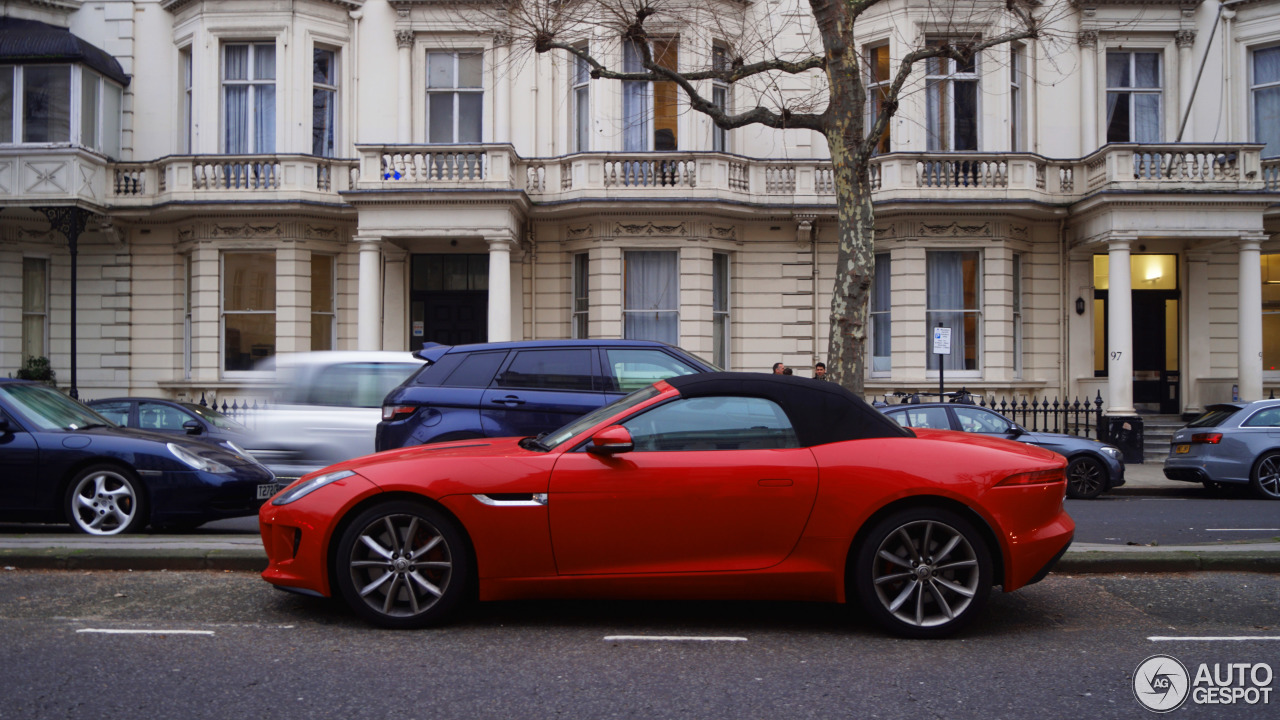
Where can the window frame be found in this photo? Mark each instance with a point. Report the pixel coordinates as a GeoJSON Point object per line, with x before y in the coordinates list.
{"type": "Point", "coordinates": [674, 313]}
{"type": "Point", "coordinates": [873, 310]}
{"type": "Point", "coordinates": [1133, 92]}
{"type": "Point", "coordinates": [721, 308]}
{"type": "Point", "coordinates": [1017, 98]}
{"type": "Point", "coordinates": [329, 316]}
{"type": "Point", "coordinates": [647, 114]}
{"type": "Point", "coordinates": [331, 89]}
{"type": "Point", "coordinates": [254, 85]}
{"type": "Point", "coordinates": [1274, 313]}
{"type": "Point", "coordinates": [932, 361]}
{"type": "Point", "coordinates": [875, 91]}
{"type": "Point", "coordinates": [455, 92]}
{"type": "Point", "coordinates": [942, 73]}
{"type": "Point", "coordinates": [33, 312]}
{"type": "Point", "coordinates": [579, 322]}
{"type": "Point", "coordinates": [721, 97]}
{"type": "Point", "coordinates": [186, 75]}
{"type": "Point", "coordinates": [580, 101]}
{"type": "Point", "coordinates": [223, 312]}
{"type": "Point", "coordinates": [1254, 88]}
{"type": "Point", "coordinates": [1016, 302]}
{"type": "Point", "coordinates": [106, 138]}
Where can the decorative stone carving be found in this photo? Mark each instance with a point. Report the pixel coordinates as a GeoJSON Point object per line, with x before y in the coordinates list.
{"type": "Point", "coordinates": [955, 230]}
{"type": "Point", "coordinates": [1019, 232]}
{"type": "Point", "coordinates": [724, 233]}
{"type": "Point", "coordinates": [246, 231]}
{"type": "Point", "coordinates": [578, 232]}
{"type": "Point", "coordinates": [404, 39]}
{"type": "Point", "coordinates": [320, 233]}
{"type": "Point", "coordinates": [886, 231]}
{"type": "Point", "coordinates": [1087, 38]}
{"type": "Point", "coordinates": [650, 229]}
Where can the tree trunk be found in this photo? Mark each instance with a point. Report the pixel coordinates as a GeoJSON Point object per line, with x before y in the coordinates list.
{"type": "Point", "coordinates": [855, 269]}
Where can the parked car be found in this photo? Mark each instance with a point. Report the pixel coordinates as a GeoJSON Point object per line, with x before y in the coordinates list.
{"type": "Point", "coordinates": [1230, 444]}
{"type": "Point", "coordinates": [326, 407]}
{"type": "Point", "coordinates": [63, 462]}
{"type": "Point", "coordinates": [520, 388]}
{"type": "Point", "coordinates": [175, 418]}
{"type": "Point", "coordinates": [701, 486]}
{"type": "Point", "coordinates": [1093, 467]}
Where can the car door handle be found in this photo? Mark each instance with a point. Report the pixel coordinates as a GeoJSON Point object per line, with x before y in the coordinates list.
{"type": "Point", "coordinates": [776, 482]}
{"type": "Point", "coordinates": [508, 400]}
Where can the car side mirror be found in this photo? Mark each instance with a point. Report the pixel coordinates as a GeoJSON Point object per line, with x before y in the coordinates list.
{"type": "Point", "coordinates": [192, 427]}
{"type": "Point", "coordinates": [611, 441]}
{"type": "Point", "coordinates": [1016, 431]}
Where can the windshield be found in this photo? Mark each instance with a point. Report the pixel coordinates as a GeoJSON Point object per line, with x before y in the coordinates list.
{"type": "Point", "coordinates": [1213, 418]}
{"type": "Point", "coordinates": [214, 418]}
{"type": "Point", "coordinates": [557, 437]}
{"type": "Point", "coordinates": [49, 409]}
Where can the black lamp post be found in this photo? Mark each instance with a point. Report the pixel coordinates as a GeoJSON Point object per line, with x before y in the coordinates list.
{"type": "Point", "coordinates": [70, 221]}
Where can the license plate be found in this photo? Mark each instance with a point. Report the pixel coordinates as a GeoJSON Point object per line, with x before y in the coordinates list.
{"type": "Point", "coordinates": [269, 489]}
{"type": "Point", "coordinates": [1182, 449]}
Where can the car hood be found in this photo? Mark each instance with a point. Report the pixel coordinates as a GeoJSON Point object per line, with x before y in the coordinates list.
{"type": "Point", "coordinates": [153, 442]}
{"type": "Point", "coordinates": [1061, 440]}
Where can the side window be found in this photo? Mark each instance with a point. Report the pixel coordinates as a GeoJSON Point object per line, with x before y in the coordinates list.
{"type": "Point", "coordinates": [549, 370]}
{"type": "Point", "coordinates": [981, 421]}
{"type": "Point", "coordinates": [476, 370]}
{"type": "Point", "coordinates": [632, 369]}
{"type": "Point", "coordinates": [116, 412]}
{"type": "Point", "coordinates": [154, 416]}
{"type": "Point", "coordinates": [713, 423]}
{"type": "Point", "coordinates": [934, 418]}
{"type": "Point", "coordinates": [1264, 418]}
{"type": "Point", "coordinates": [357, 384]}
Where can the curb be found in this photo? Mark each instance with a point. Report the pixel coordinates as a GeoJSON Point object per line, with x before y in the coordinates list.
{"type": "Point", "coordinates": [131, 559]}
{"type": "Point", "coordinates": [1081, 562]}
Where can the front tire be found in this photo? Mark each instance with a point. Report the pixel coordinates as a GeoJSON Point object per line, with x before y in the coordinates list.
{"type": "Point", "coordinates": [105, 500]}
{"type": "Point", "coordinates": [1086, 478]}
{"type": "Point", "coordinates": [403, 565]}
{"type": "Point", "coordinates": [1265, 478]}
{"type": "Point", "coordinates": [923, 573]}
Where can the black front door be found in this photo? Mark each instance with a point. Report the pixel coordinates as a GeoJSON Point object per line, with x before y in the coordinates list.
{"type": "Point", "coordinates": [1155, 350]}
{"type": "Point", "coordinates": [449, 299]}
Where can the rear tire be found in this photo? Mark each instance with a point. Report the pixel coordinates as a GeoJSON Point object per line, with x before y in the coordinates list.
{"type": "Point", "coordinates": [1265, 478]}
{"type": "Point", "coordinates": [1086, 478]}
{"type": "Point", "coordinates": [923, 572]}
{"type": "Point", "coordinates": [403, 564]}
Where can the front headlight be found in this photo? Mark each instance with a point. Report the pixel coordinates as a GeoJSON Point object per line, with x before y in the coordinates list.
{"type": "Point", "coordinates": [1111, 451]}
{"type": "Point", "coordinates": [303, 489]}
{"type": "Point", "coordinates": [195, 461]}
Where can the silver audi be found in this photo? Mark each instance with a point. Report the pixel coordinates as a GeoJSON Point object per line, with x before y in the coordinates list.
{"type": "Point", "coordinates": [1230, 444]}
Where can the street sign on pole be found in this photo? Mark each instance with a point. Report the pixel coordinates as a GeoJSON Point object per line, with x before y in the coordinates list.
{"type": "Point", "coordinates": [941, 346]}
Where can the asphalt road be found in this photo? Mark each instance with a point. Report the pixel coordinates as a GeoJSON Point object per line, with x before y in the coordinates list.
{"type": "Point", "coordinates": [1118, 519]}
{"type": "Point", "coordinates": [223, 645]}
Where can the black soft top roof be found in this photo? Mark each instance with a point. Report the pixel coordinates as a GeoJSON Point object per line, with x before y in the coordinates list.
{"type": "Point", "coordinates": [821, 411]}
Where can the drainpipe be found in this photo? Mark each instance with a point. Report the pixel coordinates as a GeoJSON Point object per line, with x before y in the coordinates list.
{"type": "Point", "coordinates": [1204, 59]}
{"type": "Point", "coordinates": [353, 121]}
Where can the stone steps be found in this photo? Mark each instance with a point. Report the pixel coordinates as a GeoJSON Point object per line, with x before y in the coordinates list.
{"type": "Point", "coordinates": [1157, 433]}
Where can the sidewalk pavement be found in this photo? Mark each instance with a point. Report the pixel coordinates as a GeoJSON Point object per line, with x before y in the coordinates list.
{"type": "Point", "coordinates": [243, 552]}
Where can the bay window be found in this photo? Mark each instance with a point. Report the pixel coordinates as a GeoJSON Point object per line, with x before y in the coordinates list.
{"type": "Point", "coordinates": [324, 91]}
{"type": "Point", "coordinates": [323, 314]}
{"type": "Point", "coordinates": [36, 107]}
{"type": "Point", "coordinates": [720, 98]}
{"type": "Point", "coordinates": [248, 308]}
{"type": "Point", "coordinates": [650, 110]}
{"type": "Point", "coordinates": [881, 317]}
{"type": "Point", "coordinates": [951, 99]}
{"type": "Point", "coordinates": [581, 104]}
{"type": "Point", "coordinates": [35, 307]}
{"type": "Point", "coordinates": [1133, 97]}
{"type": "Point", "coordinates": [878, 76]}
{"type": "Point", "coordinates": [1265, 86]}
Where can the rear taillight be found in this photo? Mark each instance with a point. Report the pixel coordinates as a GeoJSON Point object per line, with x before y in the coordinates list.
{"type": "Point", "coordinates": [1039, 477]}
{"type": "Point", "coordinates": [1207, 438]}
{"type": "Point", "coordinates": [397, 412]}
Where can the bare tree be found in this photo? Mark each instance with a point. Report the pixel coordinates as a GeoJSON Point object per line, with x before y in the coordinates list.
{"type": "Point", "coordinates": [761, 53]}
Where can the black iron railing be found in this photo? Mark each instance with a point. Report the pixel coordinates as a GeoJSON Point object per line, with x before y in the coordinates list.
{"type": "Point", "coordinates": [1082, 418]}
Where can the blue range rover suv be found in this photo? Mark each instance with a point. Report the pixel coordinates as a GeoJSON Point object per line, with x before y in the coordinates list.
{"type": "Point", "coordinates": [520, 388]}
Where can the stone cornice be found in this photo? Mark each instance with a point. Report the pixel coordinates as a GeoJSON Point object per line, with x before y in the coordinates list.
{"type": "Point", "coordinates": [174, 6]}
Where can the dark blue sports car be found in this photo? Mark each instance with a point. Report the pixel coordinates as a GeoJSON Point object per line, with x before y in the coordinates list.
{"type": "Point", "coordinates": [62, 462]}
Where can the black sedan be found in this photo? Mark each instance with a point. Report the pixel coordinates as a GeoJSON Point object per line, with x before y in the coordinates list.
{"type": "Point", "coordinates": [174, 418]}
{"type": "Point", "coordinates": [62, 462]}
{"type": "Point", "coordinates": [1093, 468]}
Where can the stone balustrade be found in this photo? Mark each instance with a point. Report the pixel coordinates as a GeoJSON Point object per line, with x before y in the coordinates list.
{"type": "Point", "coordinates": [31, 176]}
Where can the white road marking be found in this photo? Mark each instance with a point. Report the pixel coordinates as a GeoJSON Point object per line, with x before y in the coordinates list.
{"type": "Point", "coordinates": [104, 631]}
{"type": "Point", "coordinates": [1212, 638]}
{"type": "Point", "coordinates": [1242, 529]}
{"type": "Point", "coordinates": [670, 638]}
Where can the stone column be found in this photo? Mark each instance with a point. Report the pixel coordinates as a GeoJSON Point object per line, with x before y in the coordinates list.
{"type": "Point", "coordinates": [1249, 329]}
{"type": "Point", "coordinates": [499, 289]}
{"type": "Point", "coordinates": [369, 295]}
{"type": "Point", "coordinates": [1088, 40]}
{"type": "Point", "coordinates": [1119, 328]}
{"type": "Point", "coordinates": [404, 99]}
{"type": "Point", "coordinates": [1196, 300]}
{"type": "Point", "coordinates": [1185, 39]}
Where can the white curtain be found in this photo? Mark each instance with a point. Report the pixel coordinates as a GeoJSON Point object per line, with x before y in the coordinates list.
{"type": "Point", "coordinates": [1266, 101]}
{"type": "Point", "coordinates": [637, 116]}
{"type": "Point", "coordinates": [652, 296]}
{"type": "Point", "coordinates": [945, 278]}
{"type": "Point", "coordinates": [264, 101]}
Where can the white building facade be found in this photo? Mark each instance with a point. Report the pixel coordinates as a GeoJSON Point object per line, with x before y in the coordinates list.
{"type": "Point", "coordinates": [1096, 216]}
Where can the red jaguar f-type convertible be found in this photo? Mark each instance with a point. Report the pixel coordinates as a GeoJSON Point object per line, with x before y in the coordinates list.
{"type": "Point", "coordinates": [712, 486]}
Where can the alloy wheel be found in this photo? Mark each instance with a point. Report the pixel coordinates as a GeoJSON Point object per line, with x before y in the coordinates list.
{"type": "Point", "coordinates": [401, 565]}
{"type": "Point", "coordinates": [103, 502]}
{"type": "Point", "coordinates": [926, 573]}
